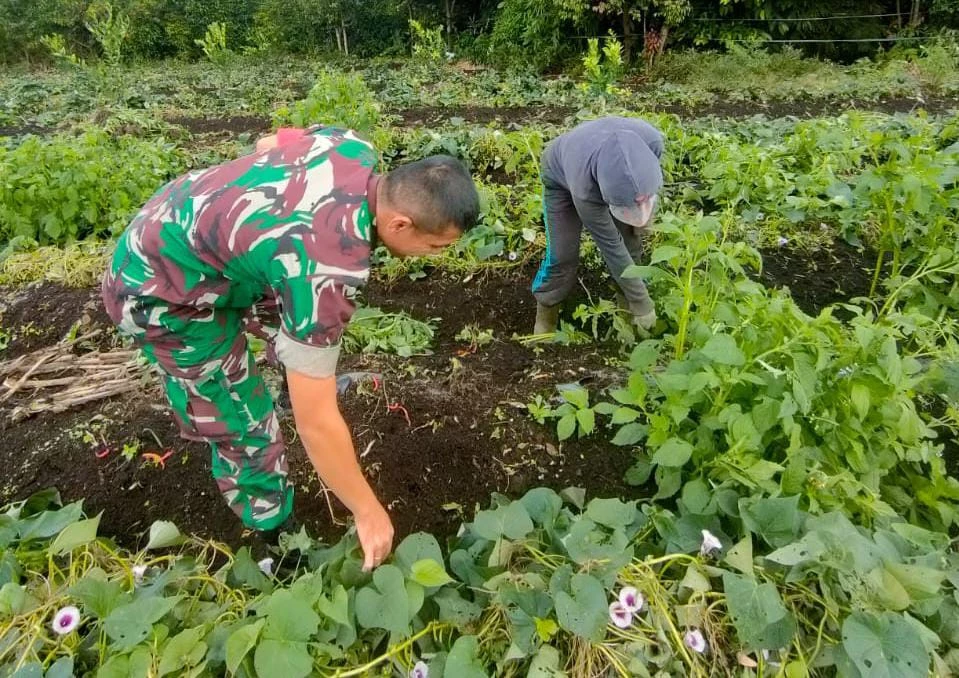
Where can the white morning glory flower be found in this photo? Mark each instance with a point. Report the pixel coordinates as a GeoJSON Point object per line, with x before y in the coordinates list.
{"type": "Point", "coordinates": [710, 544]}
{"type": "Point", "coordinates": [694, 641]}
{"type": "Point", "coordinates": [66, 620]}
{"type": "Point", "coordinates": [266, 566]}
{"type": "Point", "coordinates": [783, 241]}
{"type": "Point", "coordinates": [620, 615]}
{"type": "Point", "coordinates": [420, 670]}
{"type": "Point", "coordinates": [138, 572]}
{"type": "Point", "coordinates": [631, 599]}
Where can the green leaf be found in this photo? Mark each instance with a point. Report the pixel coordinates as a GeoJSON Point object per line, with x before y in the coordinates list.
{"type": "Point", "coordinates": [884, 646]}
{"type": "Point", "coordinates": [240, 642]}
{"type": "Point", "coordinates": [761, 620]}
{"type": "Point", "coordinates": [463, 660]}
{"type": "Point", "coordinates": [183, 651]}
{"type": "Point", "coordinates": [131, 624]}
{"type": "Point", "coordinates": [587, 421]}
{"type": "Point", "coordinates": [48, 523]}
{"type": "Point", "coordinates": [630, 434]}
{"type": "Point", "coordinates": [429, 573]}
{"type": "Point", "coordinates": [586, 542]}
{"type": "Point", "coordinates": [665, 253]}
{"type": "Point", "coordinates": [14, 600]}
{"type": "Point", "coordinates": [543, 505]}
{"type": "Point", "coordinates": [675, 452]}
{"type": "Point", "coordinates": [246, 572]}
{"type": "Point", "coordinates": [566, 426]}
{"type": "Point", "coordinates": [624, 415]}
{"type": "Point", "coordinates": [740, 556]}
{"type": "Point", "coordinates": [31, 670]}
{"type": "Point", "coordinates": [574, 495]}
{"type": "Point", "coordinates": [510, 521]}
{"type": "Point", "coordinates": [612, 513]}
{"type": "Point", "coordinates": [282, 659]}
{"type": "Point", "coordinates": [62, 668]}
{"type": "Point", "coordinates": [455, 609]}
{"type": "Point", "coordinates": [696, 496]}
{"type": "Point", "coordinates": [74, 535]}
{"type": "Point", "coordinates": [887, 589]}
{"type": "Point", "coordinates": [639, 472]}
{"type": "Point", "coordinates": [577, 397]}
{"type": "Point", "coordinates": [583, 611]}
{"type": "Point", "coordinates": [163, 534]}
{"type": "Point", "coordinates": [417, 546]}
{"type": "Point", "coordinates": [289, 617]}
{"type": "Point", "coordinates": [336, 608]}
{"type": "Point", "coordinates": [861, 399]}
{"type": "Point", "coordinates": [385, 604]}
{"type": "Point", "coordinates": [775, 519]}
{"type": "Point", "coordinates": [695, 580]}
{"type": "Point", "coordinates": [668, 481]}
{"type": "Point", "coordinates": [99, 597]}
{"type": "Point", "coordinates": [722, 349]}
{"type": "Point", "coordinates": [546, 664]}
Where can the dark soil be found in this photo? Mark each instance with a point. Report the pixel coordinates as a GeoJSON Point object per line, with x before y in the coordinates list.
{"type": "Point", "coordinates": [41, 315]}
{"type": "Point", "coordinates": [525, 115]}
{"type": "Point", "coordinates": [468, 432]}
{"type": "Point", "coordinates": [16, 131]}
{"type": "Point", "coordinates": [434, 115]}
{"type": "Point", "coordinates": [828, 276]}
{"type": "Point", "coordinates": [815, 108]}
{"type": "Point", "coordinates": [232, 125]}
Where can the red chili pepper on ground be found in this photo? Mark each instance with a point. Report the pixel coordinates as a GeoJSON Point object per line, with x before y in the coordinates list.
{"type": "Point", "coordinates": [105, 452]}
{"type": "Point", "coordinates": [397, 407]}
{"type": "Point", "coordinates": [376, 383]}
{"type": "Point", "coordinates": [157, 459]}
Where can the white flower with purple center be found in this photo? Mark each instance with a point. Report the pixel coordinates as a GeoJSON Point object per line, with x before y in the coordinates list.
{"type": "Point", "coordinates": [420, 670]}
{"type": "Point", "coordinates": [710, 544]}
{"type": "Point", "coordinates": [631, 599]}
{"type": "Point", "coordinates": [512, 256]}
{"type": "Point", "coordinates": [138, 572]}
{"type": "Point", "coordinates": [66, 620]}
{"type": "Point", "coordinates": [266, 566]}
{"type": "Point", "coordinates": [694, 640]}
{"type": "Point", "coordinates": [620, 615]}
{"type": "Point", "coordinates": [782, 242]}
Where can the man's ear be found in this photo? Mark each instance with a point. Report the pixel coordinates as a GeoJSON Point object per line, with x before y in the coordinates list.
{"type": "Point", "coordinates": [398, 223]}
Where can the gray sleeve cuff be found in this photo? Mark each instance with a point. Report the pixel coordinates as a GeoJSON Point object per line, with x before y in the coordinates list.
{"type": "Point", "coordinates": [313, 361]}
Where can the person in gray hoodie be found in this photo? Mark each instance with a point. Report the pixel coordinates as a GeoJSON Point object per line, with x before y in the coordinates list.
{"type": "Point", "coordinates": [604, 176]}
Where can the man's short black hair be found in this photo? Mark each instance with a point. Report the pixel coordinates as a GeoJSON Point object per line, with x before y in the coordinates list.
{"type": "Point", "coordinates": [434, 192]}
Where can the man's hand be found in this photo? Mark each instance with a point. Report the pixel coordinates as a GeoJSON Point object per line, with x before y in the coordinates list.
{"type": "Point", "coordinates": [375, 530]}
{"type": "Point", "coordinates": [644, 323]}
{"type": "Point", "coordinates": [266, 143]}
{"type": "Point", "coordinates": [329, 446]}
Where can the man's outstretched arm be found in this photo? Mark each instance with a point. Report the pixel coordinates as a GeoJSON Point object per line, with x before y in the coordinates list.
{"type": "Point", "coordinates": [329, 446]}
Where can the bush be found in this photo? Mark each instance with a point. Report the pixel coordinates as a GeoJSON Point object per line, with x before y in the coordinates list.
{"type": "Point", "coordinates": [61, 189]}
{"type": "Point", "coordinates": [340, 99]}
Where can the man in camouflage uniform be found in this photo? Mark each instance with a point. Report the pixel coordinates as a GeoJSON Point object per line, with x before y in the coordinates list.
{"type": "Point", "coordinates": [275, 243]}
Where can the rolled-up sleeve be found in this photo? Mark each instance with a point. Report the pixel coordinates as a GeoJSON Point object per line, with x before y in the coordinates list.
{"type": "Point", "coordinates": [315, 312]}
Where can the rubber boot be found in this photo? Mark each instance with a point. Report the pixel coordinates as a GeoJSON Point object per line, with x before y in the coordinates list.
{"type": "Point", "coordinates": [547, 318]}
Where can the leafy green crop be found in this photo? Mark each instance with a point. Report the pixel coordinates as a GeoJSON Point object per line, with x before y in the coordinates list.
{"type": "Point", "coordinates": [374, 331]}
{"type": "Point", "coordinates": [61, 189]}
{"type": "Point", "coordinates": [527, 587]}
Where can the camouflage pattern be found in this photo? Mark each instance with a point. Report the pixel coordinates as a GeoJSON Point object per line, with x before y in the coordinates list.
{"type": "Point", "coordinates": [272, 242]}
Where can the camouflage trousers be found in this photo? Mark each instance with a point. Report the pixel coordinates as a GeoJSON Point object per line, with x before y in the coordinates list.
{"type": "Point", "coordinates": [217, 394]}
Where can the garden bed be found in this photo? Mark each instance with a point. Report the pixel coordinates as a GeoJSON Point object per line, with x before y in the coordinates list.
{"type": "Point", "coordinates": [468, 432]}
{"type": "Point", "coordinates": [467, 435]}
